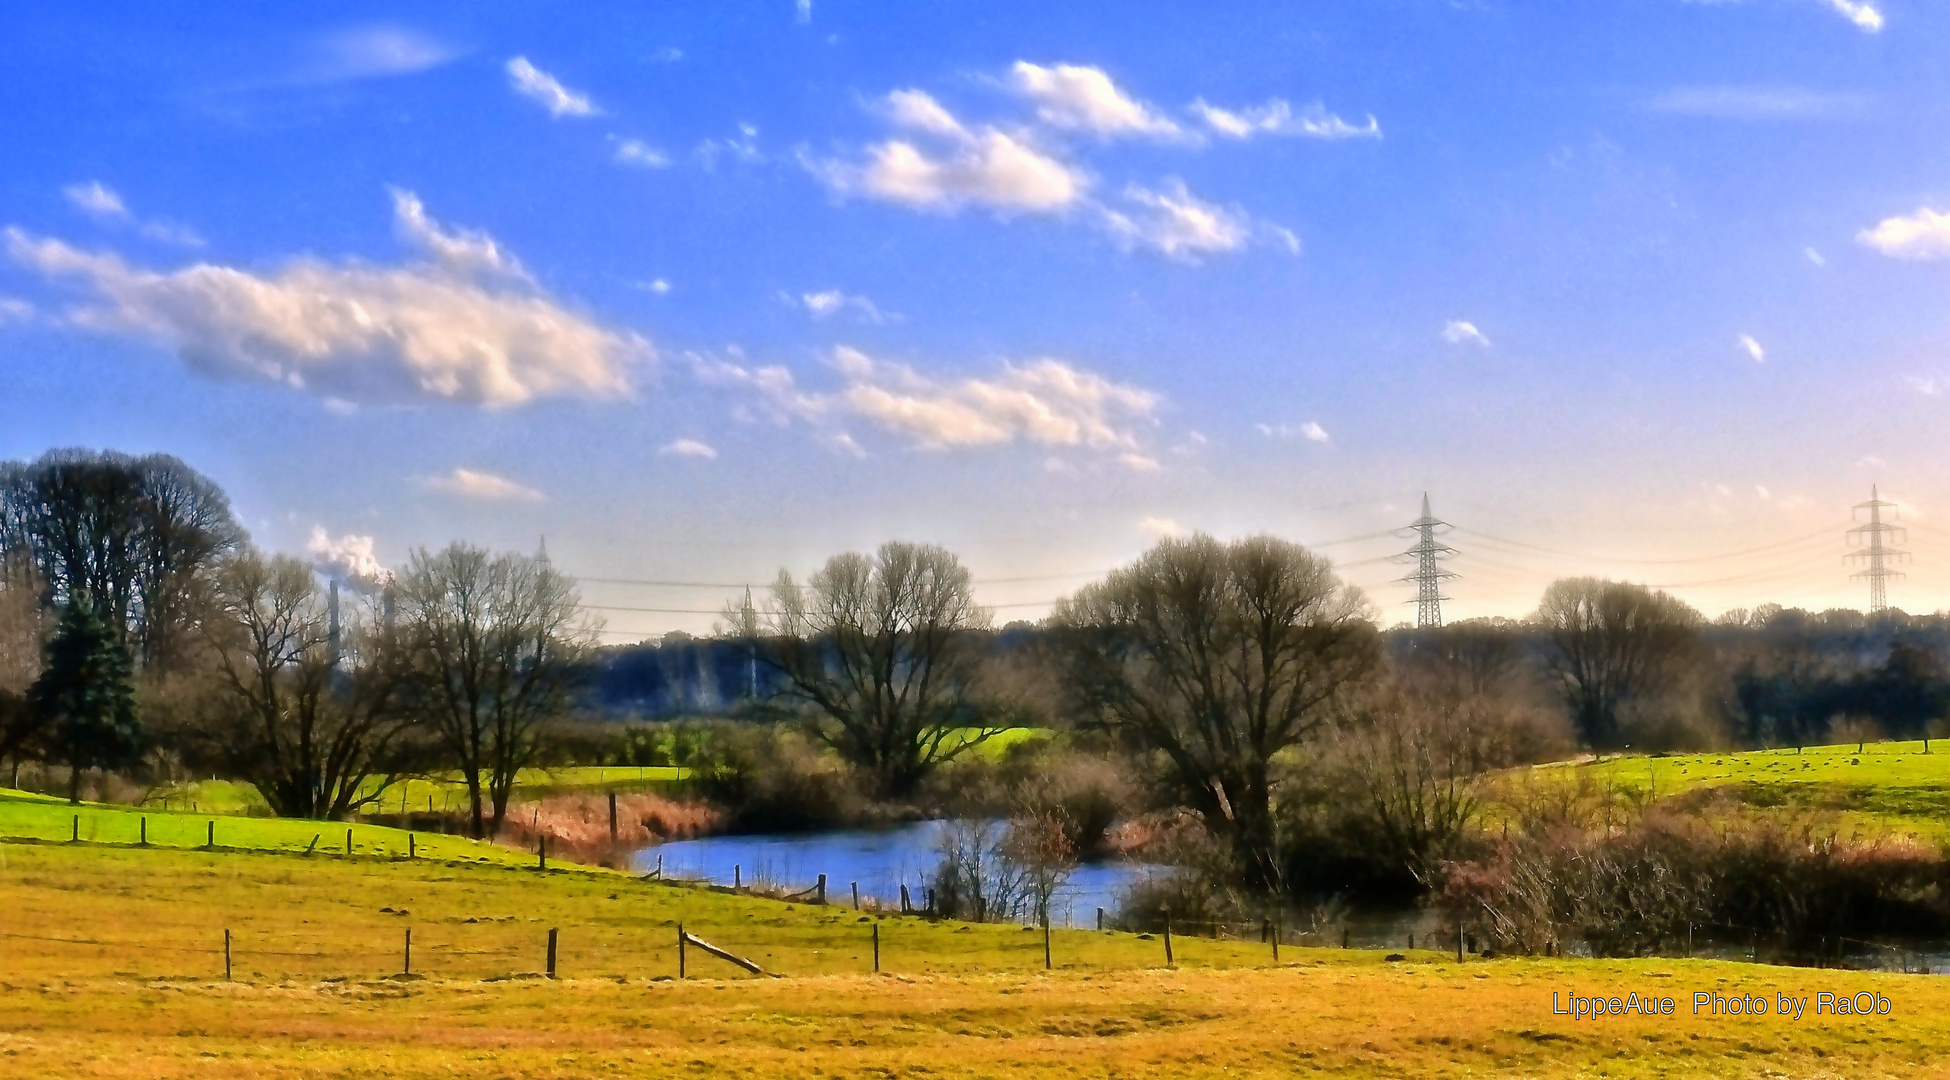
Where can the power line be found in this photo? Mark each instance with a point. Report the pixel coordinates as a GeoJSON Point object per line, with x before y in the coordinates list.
{"type": "Point", "coordinates": [1429, 574]}
{"type": "Point", "coordinates": [1646, 562]}
{"type": "Point", "coordinates": [1879, 555]}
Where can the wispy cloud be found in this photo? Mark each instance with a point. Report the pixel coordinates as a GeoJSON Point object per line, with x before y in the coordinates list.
{"type": "Point", "coordinates": [1160, 527]}
{"type": "Point", "coordinates": [106, 205]}
{"type": "Point", "coordinates": [1922, 235]}
{"type": "Point", "coordinates": [532, 82]}
{"type": "Point", "coordinates": [1310, 431]}
{"type": "Point", "coordinates": [479, 486]}
{"type": "Point", "coordinates": [1462, 332]}
{"type": "Point", "coordinates": [1926, 385]}
{"type": "Point", "coordinates": [1759, 103]}
{"type": "Point", "coordinates": [1073, 97]}
{"type": "Point", "coordinates": [1176, 223]}
{"type": "Point", "coordinates": [464, 324]}
{"type": "Point", "coordinates": [13, 309]}
{"type": "Point", "coordinates": [1752, 349]}
{"type": "Point", "coordinates": [373, 52]}
{"type": "Point", "coordinates": [1814, 256]}
{"type": "Point", "coordinates": [639, 153]}
{"type": "Point", "coordinates": [830, 302]}
{"type": "Point", "coordinates": [1276, 117]}
{"type": "Point", "coordinates": [1860, 12]}
{"type": "Point", "coordinates": [1044, 402]}
{"type": "Point", "coordinates": [689, 448]}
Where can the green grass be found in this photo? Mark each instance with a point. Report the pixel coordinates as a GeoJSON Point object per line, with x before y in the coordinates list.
{"type": "Point", "coordinates": [28, 816]}
{"type": "Point", "coordinates": [1890, 786]}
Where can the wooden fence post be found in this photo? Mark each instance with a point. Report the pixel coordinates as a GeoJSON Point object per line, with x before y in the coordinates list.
{"type": "Point", "coordinates": [822, 890]}
{"type": "Point", "coordinates": [1100, 920]}
{"type": "Point", "coordinates": [541, 851]}
{"type": "Point", "coordinates": [77, 829]}
{"type": "Point", "coordinates": [211, 839]}
{"type": "Point", "coordinates": [737, 877]}
{"type": "Point", "coordinates": [1168, 957]}
{"type": "Point", "coordinates": [145, 832]}
{"type": "Point", "coordinates": [1276, 942]}
{"type": "Point", "coordinates": [1343, 937]}
{"type": "Point", "coordinates": [226, 955]}
{"type": "Point", "coordinates": [551, 952]}
{"type": "Point", "coordinates": [906, 907]}
{"type": "Point", "coordinates": [1458, 943]}
{"type": "Point", "coordinates": [348, 841]}
{"type": "Point", "coordinates": [876, 948]}
{"type": "Point", "coordinates": [612, 817]}
{"type": "Point", "coordinates": [1046, 959]}
{"type": "Point", "coordinates": [407, 967]}
{"type": "Point", "coordinates": [412, 851]}
{"type": "Point", "coordinates": [680, 950]}
{"type": "Point", "coordinates": [856, 896]}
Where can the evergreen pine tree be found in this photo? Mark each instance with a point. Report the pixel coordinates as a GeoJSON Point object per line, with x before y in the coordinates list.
{"type": "Point", "coordinates": [86, 697]}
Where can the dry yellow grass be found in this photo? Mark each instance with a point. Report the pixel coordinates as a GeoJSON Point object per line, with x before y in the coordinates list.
{"type": "Point", "coordinates": [314, 949]}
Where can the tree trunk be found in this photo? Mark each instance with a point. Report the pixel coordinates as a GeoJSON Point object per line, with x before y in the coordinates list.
{"type": "Point", "coordinates": [74, 785]}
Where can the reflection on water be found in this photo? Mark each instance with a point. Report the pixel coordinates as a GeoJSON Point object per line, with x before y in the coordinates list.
{"type": "Point", "coordinates": [880, 860]}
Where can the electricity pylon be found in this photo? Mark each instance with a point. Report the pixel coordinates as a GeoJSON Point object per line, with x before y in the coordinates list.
{"type": "Point", "coordinates": [1428, 553]}
{"type": "Point", "coordinates": [1878, 554]}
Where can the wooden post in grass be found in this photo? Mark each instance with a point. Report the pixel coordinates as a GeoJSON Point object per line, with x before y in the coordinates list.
{"type": "Point", "coordinates": [1276, 942]}
{"type": "Point", "coordinates": [77, 829]}
{"type": "Point", "coordinates": [313, 846]}
{"type": "Point", "coordinates": [856, 896]}
{"type": "Point", "coordinates": [1458, 943]}
{"type": "Point", "coordinates": [822, 890]}
{"type": "Point", "coordinates": [412, 851]}
{"type": "Point", "coordinates": [226, 955]}
{"type": "Point", "coordinates": [145, 832]}
{"type": "Point", "coordinates": [737, 877]}
{"type": "Point", "coordinates": [612, 817]}
{"type": "Point", "coordinates": [680, 950]}
{"type": "Point", "coordinates": [1343, 937]}
{"type": "Point", "coordinates": [406, 968]}
{"type": "Point", "coordinates": [210, 839]}
{"type": "Point", "coordinates": [1046, 960]}
{"type": "Point", "coordinates": [1100, 920]}
{"type": "Point", "coordinates": [1169, 960]}
{"type": "Point", "coordinates": [906, 907]}
{"type": "Point", "coordinates": [551, 952]}
{"type": "Point", "coordinates": [876, 948]}
{"type": "Point", "coordinates": [541, 852]}
{"type": "Point", "coordinates": [348, 841]}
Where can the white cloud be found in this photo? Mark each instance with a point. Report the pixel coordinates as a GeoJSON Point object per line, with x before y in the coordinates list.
{"type": "Point", "coordinates": [1276, 117]}
{"type": "Point", "coordinates": [1862, 13]}
{"type": "Point", "coordinates": [1078, 98]}
{"type": "Point", "coordinates": [534, 83]}
{"type": "Point", "coordinates": [830, 302]}
{"type": "Point", "coordinates": [1160, 527]}
{"type": "Point", "coordinates": [13, 309]}
{"type": "Point", "coordinates": [802, 11]}
{"type": "Point", "coordinates": [466, 325]}
{"type": "Point", "coordinates": [1179, 224]}
{"type": "Point", "coordinates": [1460, 332]}
{"type": "Point", "coordinates": [742, 147]}
{"type": "Point", "coordinates": [1758, 103]}
{"type": "Point", "coordinates": [1044, 402]}
{"type": "Point", "coordinates": [689, 448]}
{"type": "Point", "coordinates": [97, 200]}
{"type": "Point", "coordinates": [481, 486]}
{"type": "Point", "coordinates": [378, 52]}
{"type": "Point", "coordinates": [1923, 235]}
{"type": "Point", "coordinates": [1762, 493]}
{"type": "Point", "coordinates": [349, 559]}
{"type": "Point", "coordinates": [1926, 385]}
{"type": "Point", "coordinates": [1814, 256]}
{"type": "Point", "coordinates": [985, 167]}
{"type": "Point", "coordinates": [1310, 431]}
{"type": "Point", "coordinates": [660, 286]}
{"type": "Point", "coordinates": [105, 204]}
{"type": "Point", "coordinates": [1753, 349]}
{"type": "Point", "coordinates": [641, 154]}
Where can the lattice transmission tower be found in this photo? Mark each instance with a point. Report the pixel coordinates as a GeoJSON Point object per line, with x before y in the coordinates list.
{"type": "Point", "coordinates": [1878, 553]}
{"type": "Point", "coordinates": [1428, 553]}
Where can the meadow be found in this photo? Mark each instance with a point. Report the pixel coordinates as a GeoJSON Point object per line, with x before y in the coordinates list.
{"type": "Point", "coordinates": [114, 968]}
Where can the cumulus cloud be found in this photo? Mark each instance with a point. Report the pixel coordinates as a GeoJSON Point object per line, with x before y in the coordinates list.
{"type": "Point", "coordinates": [532, 82]}
{"type": "Point", "coordinates": [1044, 402]}
{"type": "Point", "coordinates": [1276, 117]}
{"type": "Point", "coordinates": [481, 486]}
{"type": "Point", "coordinates": [1460, 332]}
{"type": "Point", "coordinates": [1160, 527]}
{"type": "Point", "coordinates": [821, 305]}
{"type": "Point", "coordinates": [348, 559]}
{"type": "Point", "coordinates": [689, 448]}
{"type": "Point", "coordinates": [1753, 349]}
{"type": "Point", "coordinates": [1078, 98]}
{"type": "Point", "coordinates": [1922, 235]}
{"type": "Point", "coordinates": [641, 154]}
{"type": "Point", "coordinates": [465, 324]}
{"type": "Point", "coordinates": [984, 167]}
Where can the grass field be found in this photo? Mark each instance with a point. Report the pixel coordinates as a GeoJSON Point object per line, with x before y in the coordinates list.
{"type": "Point", "coordinates": [1892, 786]}
{"type": "Point", "coordinates": [423, 795]}
{"type": "Point", "coordinates": [113, 968]}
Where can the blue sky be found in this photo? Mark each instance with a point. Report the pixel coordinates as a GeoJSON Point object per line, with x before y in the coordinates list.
{"type": "Point", "coordinates": [1632, 288]}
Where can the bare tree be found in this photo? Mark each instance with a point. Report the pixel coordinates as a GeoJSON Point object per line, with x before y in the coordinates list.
{"type": "Point", "coordinates": [1219, 656]}
{"type": "Point", "coordinates": [1411, 761]}
{"type": "Point", "coordinates": [24, 628]}
{"type": "Point", "coordinates": [311, 718]}
{"type": "Point", "coordinates": [494, 642]}
{"type": "Point", "coordinates": [129, 537]}
{"type": "Point", "coordinates": [1613, 641]}
{"type": "Point", "coordinates": [881, 652]}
